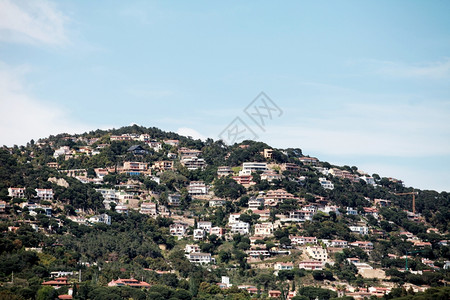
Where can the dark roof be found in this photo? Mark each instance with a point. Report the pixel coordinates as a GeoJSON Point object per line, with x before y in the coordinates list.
{"type": "Point", "coordinates": [136, 148]}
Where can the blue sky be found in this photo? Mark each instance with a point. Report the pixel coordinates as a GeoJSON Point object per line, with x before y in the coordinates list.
{"type": "Point", "coordinates": [359, 83]}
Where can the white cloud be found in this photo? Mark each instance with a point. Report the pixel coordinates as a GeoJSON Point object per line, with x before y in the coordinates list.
{"type": "Point", "coordinates": [190, 132]}
{"type": "Point", "coordinates": [32, 22]}
{"type": "Point", "coordinates": [432, 70]}
{"type": "Point", "coordinates": [25, 117]}
{"type": "Point", "coordinates": [149, 94]}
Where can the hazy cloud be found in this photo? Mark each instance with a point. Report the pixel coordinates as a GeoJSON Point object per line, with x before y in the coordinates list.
{"type": "Point", "coordinates": [191, 132]}
{"type": "Point", "coordinates": [32, 22]}
{"type": "Point", "coordinates": [432, 70]}
{"type": "Point", "coordinates": [25, 117]}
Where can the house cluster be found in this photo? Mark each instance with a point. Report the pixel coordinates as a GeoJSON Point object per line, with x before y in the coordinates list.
{"type": "Point", "coordinates": [20, 192]}
{"type": "Point", "coordinates": [102, 218]}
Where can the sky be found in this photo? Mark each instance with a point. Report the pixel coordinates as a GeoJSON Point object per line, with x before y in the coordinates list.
{"type": "Point", "coordinates": [358, 83]}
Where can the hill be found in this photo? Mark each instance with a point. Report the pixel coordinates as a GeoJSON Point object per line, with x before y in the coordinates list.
{"type": "Point", "coordinates": [188, 219]}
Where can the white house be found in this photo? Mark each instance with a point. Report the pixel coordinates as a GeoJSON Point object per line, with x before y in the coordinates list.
{"type": "Point", "coordinates": [199, 234]}
{"type": "Point", "coordinates": [255, 203]}
{"type": "Point", "coordinates": [196, 188]}
{"type": "Point", "coordinates": [326, 184]}
{"type": "Point", "coordinates": [302, 240]}
{"type": "Point", "coordinates": [264, 229]}
{"type": "Point", "coordinates": [283, 266]}
{"type": "Point", "coordinates": [217, 202]}
{"type": "Point", "coordinates": [311, 265]}
{"type": "Point", "coordinates": [317, 253]}
{"type": "Point", "coordinates": [16, 192]}
{"type": "Point", "coordinates": [44, 194]}
{"type": "Point", "coordinates": [149, 208]}
{"type": "Point", "coordinates": [359, 229]}
{"type": "Point", "coordinates": [192, 248]}
{"type": "Point", "coordinates": [199, 258]}
{"type": "Point", "coordinates": [122, 209]}
{"type": "Point", "coordinates": [103, 218]}
{"type": "Point", "coordinates": [178, 229]}
{"type": "Point", "coordinates": [234, 218]}
{"type": "Point", "coordinates": [352, 211]}
{"type": "Point", "coordinates": [174, 199]}
{"type": "Point", "coordinates": [205, 225]}
{"type": "Point", "coordinates": [240, 227]}
{"type": "Point", "coordinates": [250, 167]}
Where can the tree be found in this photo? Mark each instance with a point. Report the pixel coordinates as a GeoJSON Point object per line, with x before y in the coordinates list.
{"type": "Point", "coordinates": [46, 293]}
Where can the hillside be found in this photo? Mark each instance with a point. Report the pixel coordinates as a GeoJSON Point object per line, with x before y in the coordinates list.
{"type": "Point", "coordinates": [141, 213]}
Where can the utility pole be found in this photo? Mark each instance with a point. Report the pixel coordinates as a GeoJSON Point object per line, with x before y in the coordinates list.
{"type": "Point", "coordinates": [413, 193]}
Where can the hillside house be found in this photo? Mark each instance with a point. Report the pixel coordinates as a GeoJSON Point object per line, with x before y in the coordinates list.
{"type": "Point", "coordinates": [240, 227]}
{"type": "Point", "coordinates": [178, 229]}
{"type": "Point", "coordinates": [264, 214]}
{"type": "Point", "coordinates": [264, 229]}
{"type": "Point", "coordinates": [311, 265]}
{"type": "Point", "coordinates": [149, 208]}
{"type": "Point", "coordinates": [193, 163]}
{"type": "Point", "coordinates": [174, 199]}
{"type": "Point", "coordinates": [363, 230]}
{"type": "Point", "coordinates": [131, 282]}
{"type": "Point", "coordinates": [283, 266]}
{"type": "Point", "coordinates": [197, 188]}
{"type": "Point", "coordinates": [245, 180]}
{"type": "Point", "coordinates": [302, 240]}
{"type": "Point", "coordinates": [205, 225]}
{"type": "Point", "coordinates": [163, 165]}
{"type": "Point", "coordinates": [199, 234]}
{"type": "Point", "coordinates": [192, 248]}
{"type": "Point", "coordinates": [290, 167]}
{"type": "Point", "coordinates": [44, 194]}
{"type": "Point", "coordinates": [255, 203]}
{"type": "Point", "coordinates": [252, 167]}
{"type": "Point", "coordinates": [16, 192]}
{"type": "Point", "coordinates": [199, 258]}
{"type": "Point", "coordinates": [137, 150]}
{"type": "Point", "coordinates": [224, 171]}
{"type": "Point", "coordinates": [317, 253]}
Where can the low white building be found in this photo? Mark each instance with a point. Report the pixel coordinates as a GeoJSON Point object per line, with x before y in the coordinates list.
{"type": "Point", "coordinates": [240, 227]}
{"type": "Point", "coordinates": [317, 253]}
{"type": "Point", "coordinates": [234, 218]}
{"type": "Point", "coordinates": [283, 266]}
{"type": "Point", "coordinates": [103, 218]}
{"type": "Point", "coordinates": [122, 209]}
{"type": "Point", "coordinates": [18, 192]}
{"type": "Point", "coordinates": [178, 229]}
{"type": "Point", "coordinates": [44, 194]}
{"type": "Point", "coordinates": [205, 225]}
{"type": "Point", "coordinates": [192, 248]}
{"type": "Point", "coordinates": [326, 184]}
{"type": "Point", "coordinates": [359, 229]}
{"type": "Point", "coordinates": [302, 240]}
{"type": "Point", "coordinates": [255, 203]}
{"type": "Point", "coordinates": [251, 167]}
{"type": "Point", "coordinates": [264, 229]}
{"type": "Point", "coordinates": [217, 202]}
{"type": "Point", "coordinates": [174, 199]}
{"type": "Point", "coordinates": [199, 234]}
{"type": "Point", "coordinates": [197, 188]}
{"type": "Point", "coordinates": [311, 265]}
{"type": "Point", "coordinates": [199, 258]}
{"type": "Point", "coordinates": [149, 208]}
